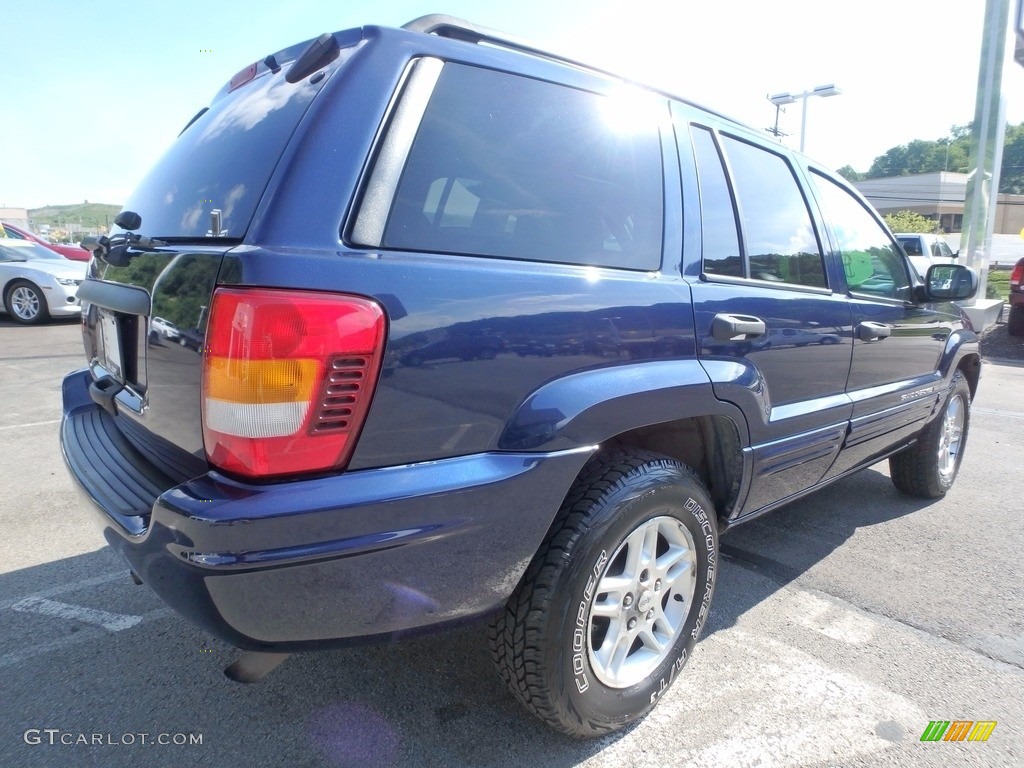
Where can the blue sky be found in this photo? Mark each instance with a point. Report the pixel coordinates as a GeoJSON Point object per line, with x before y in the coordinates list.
{"type": "Point", "coordinates": [94, 92]}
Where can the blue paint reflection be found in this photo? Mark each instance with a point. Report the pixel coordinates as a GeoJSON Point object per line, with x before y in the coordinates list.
{"type": "Point", "coordinates": [353, 735]}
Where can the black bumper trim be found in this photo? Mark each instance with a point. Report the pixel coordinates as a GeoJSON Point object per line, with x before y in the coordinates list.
{"type": "Point", "coordinates": [109, 469]}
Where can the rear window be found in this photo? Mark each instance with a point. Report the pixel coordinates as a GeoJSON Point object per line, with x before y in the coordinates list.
{"type": "Point", "coordinates": [507, 166]}
{"type": "Point", "coordinates": [223, 160]}
{"type": "Point", "coordinates": [912, 245]}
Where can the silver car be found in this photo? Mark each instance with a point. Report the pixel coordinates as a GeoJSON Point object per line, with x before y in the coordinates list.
{"type": "Point", "coordinates": [37, 283]}
{"type": "Point", "coordinates": [164, 328]}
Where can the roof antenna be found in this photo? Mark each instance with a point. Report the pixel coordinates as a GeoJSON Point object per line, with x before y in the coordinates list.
{"type": "Point", "coordinates": [775, 131]}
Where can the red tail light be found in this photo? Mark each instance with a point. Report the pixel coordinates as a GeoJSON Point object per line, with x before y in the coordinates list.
{"type": "Point", "coordinates": [287, 379]}
{"type": "Point", "coordinates": [1017, 275]}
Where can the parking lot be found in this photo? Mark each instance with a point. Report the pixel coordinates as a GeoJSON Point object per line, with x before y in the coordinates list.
{"type": "Point", "coordinates": [841, 627]}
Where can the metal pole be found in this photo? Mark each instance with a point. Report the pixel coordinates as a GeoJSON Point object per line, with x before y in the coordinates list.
{"type": "Point", "coordinates": [803, 118]}
{"type": "Point", "coordinates": [987, 134]}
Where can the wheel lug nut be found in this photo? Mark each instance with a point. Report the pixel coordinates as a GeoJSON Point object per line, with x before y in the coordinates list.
{"type": "Point", "coordinates": [631, 624]}
{"type": "Point", "coordinates": [628, 599]}
{"type": "Point", "coordinates": [644, 576]}
{"type": "Point", "coordinates": [657, 586]}
{"type": "Point", "coordinates": [650, 614]}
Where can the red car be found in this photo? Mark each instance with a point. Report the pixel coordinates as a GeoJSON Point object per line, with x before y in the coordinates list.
{"type": "Point", "coordinates": [73, 252]}
{"type": "Point", "coordinates": [1015, 324]}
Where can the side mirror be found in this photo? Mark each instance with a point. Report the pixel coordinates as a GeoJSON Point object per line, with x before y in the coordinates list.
{"type": "Point", "coordinates": [950, 282]}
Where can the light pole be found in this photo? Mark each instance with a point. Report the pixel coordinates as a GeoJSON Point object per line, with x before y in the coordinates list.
{"type": "Point", "coordinates": [779, 99]}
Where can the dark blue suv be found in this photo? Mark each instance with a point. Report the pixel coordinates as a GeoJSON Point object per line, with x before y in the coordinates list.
{"type": "Point", "coordinates": [476, 331]}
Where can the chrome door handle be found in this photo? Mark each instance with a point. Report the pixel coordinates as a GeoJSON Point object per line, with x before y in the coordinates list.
{"type": "Point", "coordinates": [728, 327]}
{"type": "Point", "coordinates": [868, 331]}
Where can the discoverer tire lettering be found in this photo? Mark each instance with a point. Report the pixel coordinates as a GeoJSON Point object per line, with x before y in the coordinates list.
{"type": "Point", "coordinates": [609, 609]}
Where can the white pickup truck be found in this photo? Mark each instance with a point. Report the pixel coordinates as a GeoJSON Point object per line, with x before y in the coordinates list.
{"type": "Point", "coordinates": [924, 250]}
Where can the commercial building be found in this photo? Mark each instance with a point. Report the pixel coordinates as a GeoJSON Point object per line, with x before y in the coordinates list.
{"type": "Point", "coordinates": [938, 196]}
{"type": "Point", "coordinates": [16, 216]}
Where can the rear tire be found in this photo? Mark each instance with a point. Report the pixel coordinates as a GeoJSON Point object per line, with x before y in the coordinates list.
{"type": "Point", "coordinates": [25, 303]}
{"type": "Point", "coordinates": [928, 468]}
{"type": "Point", "coordinates": [1015, 321]}
{"type": "Point", "coordinates": [615, 598]}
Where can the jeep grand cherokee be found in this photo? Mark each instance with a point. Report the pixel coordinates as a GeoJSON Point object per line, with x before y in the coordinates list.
{"type": "Point", "coordinates": [470, 330]}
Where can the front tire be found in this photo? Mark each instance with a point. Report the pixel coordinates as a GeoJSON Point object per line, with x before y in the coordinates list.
{"type": "Point", "coordinates": [615, 598]}
{"type": "Point", "coordinates": [928, 468]}
{"type": "Point", "coordinates": [25, 303]}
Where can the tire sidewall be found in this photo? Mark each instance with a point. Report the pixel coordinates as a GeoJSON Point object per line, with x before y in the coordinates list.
{"type": "Point", "coordinates": [664, 490]}
{"type": "Point", "coordinates": [958, 390]}
{"type": "Point", "coordinates": [1015, 320]}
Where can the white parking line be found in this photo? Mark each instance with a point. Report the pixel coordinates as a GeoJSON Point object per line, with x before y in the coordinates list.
{"type": "Point", "coordinates": [25, 654]}
{"type": "Point", "coordinates": [454, 439]}
{"type": "Point", "coordinates": [30, 424]}
{"type": "Point", "coordinates": [101, 622]}
{"type": "Point", "coordinates": [73, 586]}
{"type": "Point", "coordinates": [780, 705]}
{"type": "Point", "coordinates": [112, 622]}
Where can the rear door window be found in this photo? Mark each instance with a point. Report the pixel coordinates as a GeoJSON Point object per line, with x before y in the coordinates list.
{"type": "Point", "coordinates": [719, 235]}
{"type": "Point", "coordinates": [912, 246]}
{"type": "Point", "coordinates": [780, 241]}
{"type": "Point", "coordinates": [508, 166]}
{"type": "Point", "coordinates": [755, 223]}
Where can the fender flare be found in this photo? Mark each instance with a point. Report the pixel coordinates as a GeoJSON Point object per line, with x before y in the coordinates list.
{"type": "Point", "coordinates": [960, 345]}
{"type": "Point", "coordinates": [590, 407]}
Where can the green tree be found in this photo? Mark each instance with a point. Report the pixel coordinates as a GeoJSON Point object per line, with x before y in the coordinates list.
{"type": "Point", "coordinates": [950, 153]}
{"type": "Point", "coordinates": [848, 173]}
{"type": "Point", "coordinates": [1011, 174]}
{"type": "Point", "coordinates": [908, 221]}
{"type": "Point", "coordinates": [945, 154]}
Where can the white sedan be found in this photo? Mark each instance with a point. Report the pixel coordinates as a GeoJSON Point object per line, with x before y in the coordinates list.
{"type": "Point", "coordinates": [37, 283]}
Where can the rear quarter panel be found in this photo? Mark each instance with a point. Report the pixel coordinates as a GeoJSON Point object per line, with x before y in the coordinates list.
{"type": "Point", "coordinates": [505, 330]}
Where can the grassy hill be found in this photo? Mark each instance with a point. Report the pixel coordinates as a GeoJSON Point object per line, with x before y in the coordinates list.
{"type": "Point", "coordinates": [88, 215]}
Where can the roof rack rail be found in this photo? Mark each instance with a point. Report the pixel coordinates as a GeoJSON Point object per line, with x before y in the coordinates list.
{"type": "Point", "coordinates": [443, 25]}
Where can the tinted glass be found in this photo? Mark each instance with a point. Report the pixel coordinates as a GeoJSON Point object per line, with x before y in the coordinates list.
{"type": "Point", "coordinates": [508, 166]}
{"type": "Point", "coordinates": [873, 264]}
{"type": "Point", "coordinates": [223, 160]}
{"type": "Point", "coordinates": [912, 245]}
{"type": "Point", "coordinates": [779, 237]}
{"type": "Point", "coordinates": [941, 251]}
{"type": "Point", "coordinates": [720, 239]}
{"type": "Point", "coordinates": [21, 250]}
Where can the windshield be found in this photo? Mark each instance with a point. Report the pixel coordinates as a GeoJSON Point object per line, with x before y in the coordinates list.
{"type": "Point", "coordinates": [23, 250]}
{"type": "Point", "coordinates": [223, 160]}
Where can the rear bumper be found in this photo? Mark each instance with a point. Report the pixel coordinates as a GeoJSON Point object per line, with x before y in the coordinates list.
{"type": "Point", "coordinates": [328, 560]}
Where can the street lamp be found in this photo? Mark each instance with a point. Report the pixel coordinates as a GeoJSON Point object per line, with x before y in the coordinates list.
{"type": "Point", "coordinates": [780, 99]}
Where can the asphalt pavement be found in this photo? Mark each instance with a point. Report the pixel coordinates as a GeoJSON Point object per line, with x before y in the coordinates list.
{"type": "Point", "coordinates": [842, 625]}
